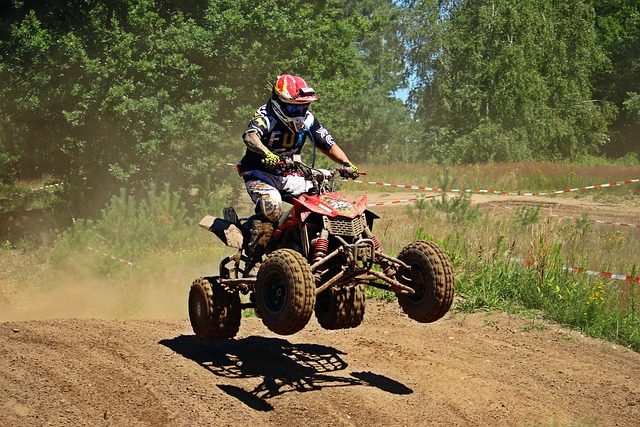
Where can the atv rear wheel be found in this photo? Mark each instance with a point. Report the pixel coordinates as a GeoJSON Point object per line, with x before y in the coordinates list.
{"type": "Point", "coordinates": [340, 308]}
{"type": "Point", "coordinates": [431, 277]}
{"type": "Point", "coordinates": [285, 292]}
{"type": "Point", "coordinates": [214, 311]}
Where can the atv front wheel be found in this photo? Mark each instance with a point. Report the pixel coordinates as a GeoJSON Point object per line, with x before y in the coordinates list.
{"type": "Point", "coordinates": [285, 292]}
{"type": "Point", "coordinates": [431, 277]}
{"type": "Point", "coordinates": [340, 308]}
{"type": "Point", "coordinates": [214, 311]}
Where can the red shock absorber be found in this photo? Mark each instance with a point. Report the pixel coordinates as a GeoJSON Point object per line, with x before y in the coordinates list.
{"type": "Point", "coordinates": [321, 249]}
{"type": "Point", "coordinates": [387, 267]}
{"type": "Point", "coordinates": [376, 242]}
{"type": "Point", "coordinates": [369, 235]}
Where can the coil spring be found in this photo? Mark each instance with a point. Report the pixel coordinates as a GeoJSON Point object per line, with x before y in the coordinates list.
{"type": "Point", "coordinates": [375, 242]}
{"type": "Point", "coordinates": [322, 247]}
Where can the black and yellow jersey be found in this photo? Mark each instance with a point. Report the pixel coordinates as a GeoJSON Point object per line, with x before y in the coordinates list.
{"type": "Point", "coordinates": [280, 139]}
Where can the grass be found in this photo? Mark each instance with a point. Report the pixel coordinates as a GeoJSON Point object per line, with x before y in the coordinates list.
{"type": "Point", "coordinates": [477, 239]}
{"type": "Point", "coordinates": [488, 280]}
{"type": "Point", "coordinates": [512, 177]}
{"type": "Point", "coordinates": [29, 195]}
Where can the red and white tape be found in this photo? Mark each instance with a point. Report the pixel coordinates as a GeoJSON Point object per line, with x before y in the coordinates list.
{"type": "Point", "coordinates": [115, 258]}
{"type": "Point", "coordinates": [44, 187]}
{"type": "Point", "coordinates": [615, 276]}
{"type": "Point", "coordinates": [410, 187]}
{"type": "Point", "coordinates": [47, 186]}
{"type": "Point", "coordinates": [598, 221]}
{"type": "Point", "coordinates": [507, 193]}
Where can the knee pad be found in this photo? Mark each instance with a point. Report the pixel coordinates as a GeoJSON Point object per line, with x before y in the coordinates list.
{"type": "Point", "coordinates": [271, 209]}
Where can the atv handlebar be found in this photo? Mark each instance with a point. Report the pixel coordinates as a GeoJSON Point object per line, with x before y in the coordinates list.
{"type": "Point", "coordinates": [323, 179]}
{"type": "Point", "coordinates": [295, 163]}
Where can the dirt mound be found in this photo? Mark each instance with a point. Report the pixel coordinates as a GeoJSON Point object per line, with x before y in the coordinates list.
{"type": "Point", "coordinates": [480, 369]}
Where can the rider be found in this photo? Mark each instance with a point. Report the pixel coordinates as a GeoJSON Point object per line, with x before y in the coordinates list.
{"type": "Point", "coordinates": [277, 131]}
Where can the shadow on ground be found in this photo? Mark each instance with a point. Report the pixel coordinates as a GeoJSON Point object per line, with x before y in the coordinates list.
{"type": "Point", "coordinates": [284, 367]}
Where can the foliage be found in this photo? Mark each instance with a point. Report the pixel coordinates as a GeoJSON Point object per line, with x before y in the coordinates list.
{"type": "Point", "coordinates": [618, 27]}
{"type": "Point", "coordinates": [501, 80]}
{"type": "Point", "coordinates": [132, 228]}
{"type": "Point", "coordinates": [125, 93]}
{"type": "Point", "coordinates": [601, 309]}
{"type": "Point", "coordinates": [536, 279]}
{"type": "Point", "coordinates": [632, 106]}
{"type": "Point", "coordinates": [133, 91]}
{"type": "Point", "coordinates": [526, 217]}
{"type": "Point", "coordinates": [457, 209]}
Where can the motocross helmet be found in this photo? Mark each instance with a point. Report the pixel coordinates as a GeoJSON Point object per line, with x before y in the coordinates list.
{"type": "Point", "coordinates": [290, 100]}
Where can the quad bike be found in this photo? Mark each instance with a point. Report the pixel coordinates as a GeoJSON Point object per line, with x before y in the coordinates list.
{"type": "Point", "coordinates": [319, 258]}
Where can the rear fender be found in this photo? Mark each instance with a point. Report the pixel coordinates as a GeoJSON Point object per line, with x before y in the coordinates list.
{"type": "Point", "coordinates": [226, 231]}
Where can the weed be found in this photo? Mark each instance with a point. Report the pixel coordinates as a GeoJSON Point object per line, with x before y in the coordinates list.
{"type": "Point", "coordinates": [528, 216]}
{"type": "Point", "coordinates": [457, 209]}
{"type": "Point", "coordinates": [377, 294]}
{"type": "Point", "coordinates": [491, 322]}
{"type": "Point", "coordinates": [533, 326]}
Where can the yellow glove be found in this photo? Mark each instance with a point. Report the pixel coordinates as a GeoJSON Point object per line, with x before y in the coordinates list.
{"type": "Point", "coordinates": [349, 171]}
{"type": "Point", "coordinates": [271, 160]}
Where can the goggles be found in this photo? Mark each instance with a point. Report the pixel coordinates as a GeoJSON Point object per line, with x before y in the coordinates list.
{"type": "Point", "coordinates": [294, 110]}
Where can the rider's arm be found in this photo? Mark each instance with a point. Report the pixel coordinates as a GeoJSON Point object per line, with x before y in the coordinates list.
{"type": "Point", "coordinates": [336, 154]}
{"type": "Point", "coordinates": [325, 143]}
{"type": "Point", "coordinates": [253, 143]}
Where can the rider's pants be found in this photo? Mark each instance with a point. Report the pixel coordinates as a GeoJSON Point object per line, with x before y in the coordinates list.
{"type": "Point", "coordinates": [265, 189]}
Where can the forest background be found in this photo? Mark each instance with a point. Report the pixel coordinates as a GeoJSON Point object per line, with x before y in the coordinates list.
{"type": "Point", "coordinates": [121, 121]}
{"type": "Point", "coordinates": [124, 93]}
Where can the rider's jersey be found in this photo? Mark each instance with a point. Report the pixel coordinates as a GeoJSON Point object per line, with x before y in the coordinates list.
{"type": "Point", "coordinates": [280, 139]}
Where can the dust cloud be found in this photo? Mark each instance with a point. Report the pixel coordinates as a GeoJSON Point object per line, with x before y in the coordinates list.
{"type": "Point", "coordinates": [77, 291]}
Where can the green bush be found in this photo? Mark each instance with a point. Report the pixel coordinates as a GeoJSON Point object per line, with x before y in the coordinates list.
{"type": "Point", "coordinates": [129, 228]}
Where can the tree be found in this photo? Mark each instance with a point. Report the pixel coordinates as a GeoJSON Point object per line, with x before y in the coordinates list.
{"type": "Point", "coordinates": [128, 92]}
{"type": "Point", "coordinates": [618, 25]}
{"type": "Point", "coordinates": [501, 80]}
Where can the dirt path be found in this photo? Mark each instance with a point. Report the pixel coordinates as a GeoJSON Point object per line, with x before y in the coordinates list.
{"type": "Point", "coordinates": [472, 370]}
{"type": "Point", "coordinates": [464, 370]}
{"type": "Point", "coordinates": [624, 211]}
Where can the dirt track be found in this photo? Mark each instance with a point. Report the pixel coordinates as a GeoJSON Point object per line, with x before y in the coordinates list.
{"type": "Point", "coordinates": [465, 370]}
{"type": "Point", "coordinates": [470, 370]}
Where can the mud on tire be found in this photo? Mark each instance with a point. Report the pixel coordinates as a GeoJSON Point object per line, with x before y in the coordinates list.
{"type": "Point", "coordinates": [214, 311]}
{"type": "Point", "coordinates": [285, 292]}
{"type": "Point", "coordinates": [432, 278]}
{"type": "Point", "coordinates": [341, 308]}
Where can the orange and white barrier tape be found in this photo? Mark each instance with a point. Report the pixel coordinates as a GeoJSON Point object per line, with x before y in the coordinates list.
{"type": "Point", "coordinates": [598, 221]}
{"type": "Point", "coordinates": [115, 258]}
{"type": "Point", "coordinates": [615, 276]}
{"type": "Point", "coordinates": [47, 186]}
{"type": "Point", "coordinates": [410, 187]}
{"type": "Point", "coordinates": [125, 262]}
{"type": "Point", "coordinates": [44, 187]}
{"type": "Point", "coordinates": [501, 192]}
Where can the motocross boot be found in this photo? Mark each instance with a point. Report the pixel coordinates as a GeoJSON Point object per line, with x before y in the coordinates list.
{"type": "Point", "coordinates": [260, 235]}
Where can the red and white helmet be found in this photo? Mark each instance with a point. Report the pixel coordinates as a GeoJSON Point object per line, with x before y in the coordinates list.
{"type": "Point", "coordinates": [290, 100]}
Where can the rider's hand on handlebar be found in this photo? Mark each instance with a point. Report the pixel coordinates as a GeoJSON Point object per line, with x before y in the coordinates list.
{"type": "Point", "coordinates": [349, 171]}
{"type": "Point", "coordinates": [271, 160]}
